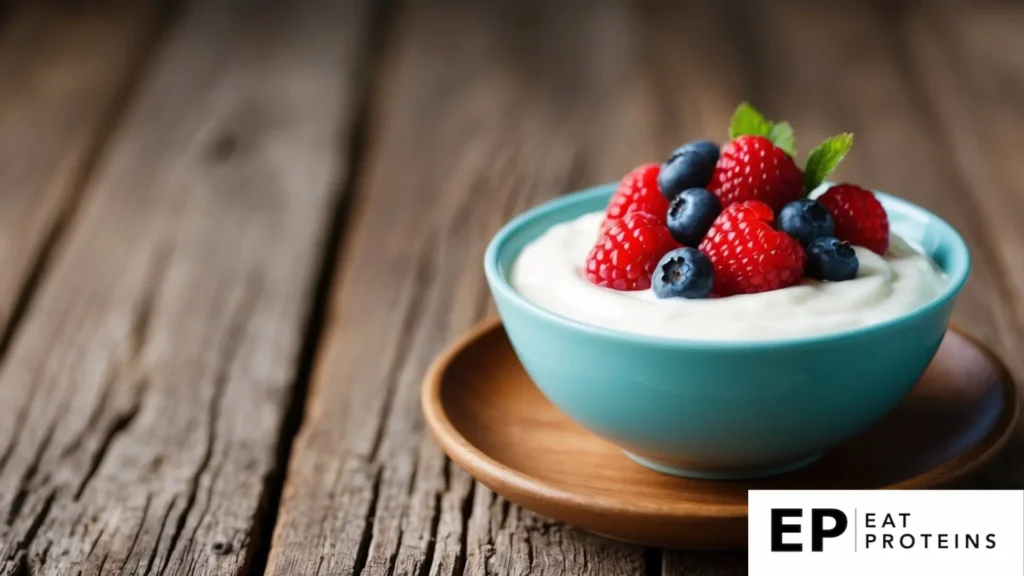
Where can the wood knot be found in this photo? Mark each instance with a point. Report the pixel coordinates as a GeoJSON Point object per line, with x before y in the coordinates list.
{"type": "Point", "coordinates": [220, 548]}
{"type": "Point", "coordinates": [223, 147]}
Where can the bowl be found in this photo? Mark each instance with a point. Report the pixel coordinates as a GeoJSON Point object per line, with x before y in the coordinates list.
{"type": "Point", "coordinates": [723, 410]}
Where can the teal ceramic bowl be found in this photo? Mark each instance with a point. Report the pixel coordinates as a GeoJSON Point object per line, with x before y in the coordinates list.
{"type": "Point", "coordinates": [723, 409]}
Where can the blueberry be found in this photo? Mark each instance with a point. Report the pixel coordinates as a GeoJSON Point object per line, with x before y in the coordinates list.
{"type": "Point", "coordinates": [690, 215]}
{"type": "Point", "coordinates": [831, 259]}
{"type": "Point", "coordinates": [806, 221]}
{"type": "Point", "coordinates": [690, 166]}
{"type": "Point", "coordinates": [683, 273]}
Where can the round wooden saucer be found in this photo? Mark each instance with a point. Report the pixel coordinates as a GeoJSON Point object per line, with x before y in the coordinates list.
{"type": "Point", "coordinates": [490, 418]}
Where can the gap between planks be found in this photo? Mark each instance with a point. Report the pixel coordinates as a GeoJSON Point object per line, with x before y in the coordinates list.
{"type": "Point", "coordinates": [376, 35]}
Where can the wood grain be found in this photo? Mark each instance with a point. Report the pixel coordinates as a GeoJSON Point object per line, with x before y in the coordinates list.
{"type": "Point", "coordinates": [482, 110]}
{"type": "Point", "coordinates": [142, 400]}
{"type": "Point", "coordinates": [66, 71]}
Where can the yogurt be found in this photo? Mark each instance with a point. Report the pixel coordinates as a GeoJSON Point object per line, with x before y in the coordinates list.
{"type": "Point", "coordinates": [549, 273]}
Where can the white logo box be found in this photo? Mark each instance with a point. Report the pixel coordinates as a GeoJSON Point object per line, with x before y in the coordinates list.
{"type": "Point", "coordinates": [934, 532]}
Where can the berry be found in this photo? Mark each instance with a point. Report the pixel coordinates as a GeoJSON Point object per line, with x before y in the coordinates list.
{"type": "Point", "coordinates": [683, 273]}
{"type": "Point", "coordinates": [805, 220]}
{"type": "Point", "coordinates": [831, 259]}
{"type": "Point", "coordinates": [748, 254]}
{"type": "Point", "coordinates": [690, 215]}
{"type": "Point", "coordinates": [626, 255]}
{"type": "Point", "coordinates": [860, 218]}
{"type": "Point", "coordinates": [757, 163]}
{"type": "Point", "coordinates": [752, 168]}
{"type": "Point", "coordinates": [690, 166]}
{"type": "Point", "coordinates": [637, 192]}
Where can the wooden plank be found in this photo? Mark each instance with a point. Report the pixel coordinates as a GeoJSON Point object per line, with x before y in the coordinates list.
{"type": "Point", "coordinates": [65, 70]}
{"type": "Point", "coordinates": [505, 539]}
{"type": "Point", "coordinates": [142, 400]}
{"type": "Point", "coordinates": [479, 116]}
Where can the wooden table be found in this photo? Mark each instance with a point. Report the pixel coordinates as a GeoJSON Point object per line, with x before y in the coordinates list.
{"type": "Point", "coordinates": [234, 233]}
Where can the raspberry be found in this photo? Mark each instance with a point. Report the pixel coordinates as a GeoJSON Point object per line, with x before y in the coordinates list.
{"type": "Point", "coordinates": [627, 254]}
{"type": "Point", "coordinates": [637, 192]}
{"type": "Point", "coordinates": [860, 218]}
{"type": "Point", "coordinates": [748, 254]}
{"type": "Point", "coordinates": [752, 168]}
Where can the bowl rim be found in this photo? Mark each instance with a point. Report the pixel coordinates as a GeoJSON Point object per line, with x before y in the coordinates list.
{"type": "Point", "coordinates": [500, 285]}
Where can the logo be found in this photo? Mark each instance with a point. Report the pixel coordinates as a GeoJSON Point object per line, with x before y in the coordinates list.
{"type": "Point", "coordinates": [800, 533]}
{"type": "Point", "coordinates": [818, 530]}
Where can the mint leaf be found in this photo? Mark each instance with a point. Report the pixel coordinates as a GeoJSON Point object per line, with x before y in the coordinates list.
{"type": "Point", "coordinates": [824, 159]}
{"type": "Point", "coordinates": [782, 136]}
{"type": "Point", "coordinates": [748, 121]}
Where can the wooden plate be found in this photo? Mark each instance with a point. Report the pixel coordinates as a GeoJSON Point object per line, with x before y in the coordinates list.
{"type": "Point", "coordinates": [490, 418]}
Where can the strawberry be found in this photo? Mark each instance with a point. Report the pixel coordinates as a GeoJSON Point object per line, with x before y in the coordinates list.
{"type": "Point", "coordinates": [757, 163]}
{"type": "Point", "coordinates": [860, 218]}
{"type": "Point", "coordinates": [637, 192]}
{"type": "Point", "coordinates": [748, 254]}
{"type": "Point", "coordinates": [626, 255]}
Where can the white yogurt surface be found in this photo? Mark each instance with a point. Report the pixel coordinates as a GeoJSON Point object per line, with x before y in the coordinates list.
{"type": "Point", "coordinates": [549, 273]}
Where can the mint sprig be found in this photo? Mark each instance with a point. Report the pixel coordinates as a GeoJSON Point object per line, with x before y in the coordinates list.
{"type": "Point", "coordinates": [782, 136]}
{"type": "Point", "coordinates": [824, 159]}
{"type": "Point", "coordinates": [747, 121]}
